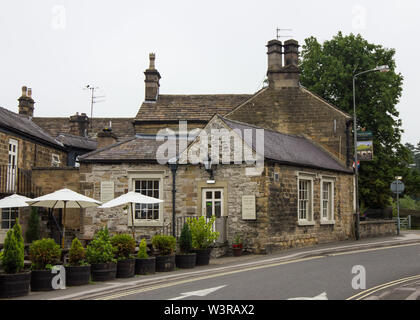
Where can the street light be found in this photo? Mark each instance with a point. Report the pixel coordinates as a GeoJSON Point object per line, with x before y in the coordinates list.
{"type": "Point", "coordinates": [383, 68]}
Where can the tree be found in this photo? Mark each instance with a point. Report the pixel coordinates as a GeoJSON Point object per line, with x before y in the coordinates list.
{"type": "Point", "coordinates": [327, 69]}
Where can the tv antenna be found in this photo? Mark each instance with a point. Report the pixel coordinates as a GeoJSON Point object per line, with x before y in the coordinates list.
{"type": "Point", "coordinates": [279, 31]}
{"type": "Point", "coordinates": [93, 100]}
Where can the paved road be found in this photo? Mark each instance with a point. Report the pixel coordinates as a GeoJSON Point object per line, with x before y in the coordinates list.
{"type": "Point", "coordinates": [303, 278]}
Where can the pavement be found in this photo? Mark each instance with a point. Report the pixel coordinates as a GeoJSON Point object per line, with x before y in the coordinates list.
{"type": "Point", "coordinates": [226, 264]}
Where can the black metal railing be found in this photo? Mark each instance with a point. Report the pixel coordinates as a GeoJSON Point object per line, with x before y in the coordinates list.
{"type": "Point", "coordinates": [220, 226]}
{"type": "Point", "coordinates": [18, 180]}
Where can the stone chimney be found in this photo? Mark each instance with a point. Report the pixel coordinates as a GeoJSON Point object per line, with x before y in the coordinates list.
{"type": "Point", "coordinates": [152, 80]}
{"type": "Point", "coordinates": [106, 138]}
{"type": "Point", "coordinates": [79, 124]}
{"type": "Point", "coordinates": [280, 76]}
{"type": "Point", "coordinates": [26, 103]}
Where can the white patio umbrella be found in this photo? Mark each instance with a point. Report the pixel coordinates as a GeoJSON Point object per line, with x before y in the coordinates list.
{"type": "Point", "coordinates": [63, 199]}
{"type": "Point", "coordinates": [14, 201]}
{"type": "Point", "coordinates": [130, 198]}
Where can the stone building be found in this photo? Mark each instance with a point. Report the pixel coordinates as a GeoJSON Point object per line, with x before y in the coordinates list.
{"type": "Point", "coordinates": [303, 192]}
{"type": "Point", "coordinates": [273, 166]}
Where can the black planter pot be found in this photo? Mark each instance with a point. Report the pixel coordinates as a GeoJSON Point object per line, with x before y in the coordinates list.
{"type": "Point", "coordinates": [125, 268]}
{"type": "Point", "coordinates": [41, 280]}
{"type": "Point", "coordinates": [103, 271]}
{"type": "Point", "coordinates": [165, 263]}
{"type": "Point", "coordinates": [145, 266]}
{"type": "Point", "coordinates": [77, 275]}
{"type": "Point", "coordinates": [185, 261]}
{"type": "Point", "coordinates": [14, 285]}
{"type": "Point", "coordinates": [203, 256]}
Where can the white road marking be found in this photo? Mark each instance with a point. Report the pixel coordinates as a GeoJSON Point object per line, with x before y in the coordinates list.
{"type": "Point", "coordinates": [322, 296]}
{"type": "Point", "coordinates": [198, 293]}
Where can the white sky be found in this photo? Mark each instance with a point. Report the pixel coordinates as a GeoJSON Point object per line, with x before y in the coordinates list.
{"type": "Point", "coordinates": [58, 47]}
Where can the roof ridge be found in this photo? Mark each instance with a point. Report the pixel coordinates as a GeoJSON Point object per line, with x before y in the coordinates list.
{"type": "Point", "coordinates": [107, 147]}
{"type": "Point", "coordinates": [29, 121]}
{"type": "Point", "coordinates": [324, 100]}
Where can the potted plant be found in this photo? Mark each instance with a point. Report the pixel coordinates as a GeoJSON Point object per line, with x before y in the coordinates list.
{"type": "Point", "coordinates": [44, 254]}
{"type": "Point", "coordinates": [237, 246]}
{"type": "Point", "coordinates": [203, 237]}
{"type": "Point", "coordinates": [125, 247]}
{"type": "Point", "coordinates": [185, 259]}
{"type": "Point", "coordinates": [101, 255]}
{"type": "Point", "coordinates": [15, 281]}
{"type": "Point", "coordinates": [166, 246]}
{"type": "Point", "coordinates": [144, 263]}
{"type": "Point", "coordinates": [78, 270]}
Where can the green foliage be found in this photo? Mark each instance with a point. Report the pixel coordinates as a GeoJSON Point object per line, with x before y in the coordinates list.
{"type": "Point", "coordinates": [33, 232]}
{"type": "Point", "coordinates": [165, 244]}
{"type": "Point", "coordinates": [185, 240]}
{"type": "Point", "coordinates": [13, 253]}
{"type": "Point", "coordinates": [237, 239]}
{"type": "Point", "coordinates": [44, 253]}
{"type": "Point", "coordinates": [142, 254]}
{"type": "Point", "coordinates": [202, 232]}
{"type": "Point", "coordinates": [124, 244]}
{"type": "Point", "coordinates": [100, 250]}
{"type": "Point", "coordinates": [77, 253]}
{"type": "Point", "coordinates": [328, 70]}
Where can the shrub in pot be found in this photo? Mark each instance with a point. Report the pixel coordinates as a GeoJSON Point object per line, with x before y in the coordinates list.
{"type": "Point", "coordinates": [77, 270]}
{"type": "Point", "coordinates": [101, 255]}
{"type": "Point", "coordinates": [125, 247]}
{"type": "Point", "coordinates": [166, 246]}
{"type": "Point", "coordinates": [203, 238]}
{"type": "Point", "coordinates": [144, 263]}
{"type": "Point", "coordinates": [237, 246]}
{"type": "Point", "coordinates": [14, 281]}
{"type": "Point", "coordinates": [44, 254]}
{"type": "Point", "coordinates": [185, 259]}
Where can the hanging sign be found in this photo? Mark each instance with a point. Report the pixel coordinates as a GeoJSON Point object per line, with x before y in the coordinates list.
{"type": "Point", "coordinates": [365, 150]}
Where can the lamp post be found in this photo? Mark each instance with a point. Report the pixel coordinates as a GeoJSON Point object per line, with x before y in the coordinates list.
{"type": "Point", "coordinates": [173, 165]}
{"type": "Point", "coordinates": [377, 69]}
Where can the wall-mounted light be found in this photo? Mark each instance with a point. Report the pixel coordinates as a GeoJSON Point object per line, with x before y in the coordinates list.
{"type": "Point", "coordinates": [208, 165]}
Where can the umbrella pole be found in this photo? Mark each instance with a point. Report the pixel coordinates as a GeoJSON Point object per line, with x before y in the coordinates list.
{"type": "Point", "coordinates": [64, 226]}
{"type": "Point", "coordinates": [132, 221]}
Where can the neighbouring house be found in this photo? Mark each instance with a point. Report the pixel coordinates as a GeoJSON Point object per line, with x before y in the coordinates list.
{"type": "Point", "coordinates": [33, 162]}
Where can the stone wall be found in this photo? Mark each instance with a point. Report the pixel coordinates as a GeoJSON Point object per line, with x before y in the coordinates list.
{"type": "Point", "coordinates": [122, 127]}
{"type": "Point", "coordinates": [297, 111]}
{"type": "Point", "coordinates": [53, 179]}
{"type": "Point", "coordinates": [30, 154]}
{"type": "Point", "coordinates": [377, 228]}
{"type": "Point", "coordinates": [276, 203]}
{"type": "Point", "coordinates": [281, 224]}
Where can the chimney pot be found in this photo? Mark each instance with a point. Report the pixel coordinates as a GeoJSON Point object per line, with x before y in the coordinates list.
{"type": "Point", "coordinates": [280, 76]}
{"type": "Point", "coordinates": [152, 80]}
{"type": "Point", "coordinates": [26, 103]}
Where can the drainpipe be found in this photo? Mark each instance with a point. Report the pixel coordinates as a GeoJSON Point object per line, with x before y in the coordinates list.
{"type": "Point", "coordinates": [174, 167]}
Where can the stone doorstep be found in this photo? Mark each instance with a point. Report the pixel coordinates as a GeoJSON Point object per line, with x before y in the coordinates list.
{"type": "Point", "coordinates": [231, 265]}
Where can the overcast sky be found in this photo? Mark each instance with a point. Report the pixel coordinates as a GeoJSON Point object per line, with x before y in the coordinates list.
{"type": "Point", "coordinates": [58, 47]}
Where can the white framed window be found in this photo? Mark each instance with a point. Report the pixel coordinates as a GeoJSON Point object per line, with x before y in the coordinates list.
{"type": "Point", "coordinates": [327, 201]}
{"type": "Point", "coordinates": [151, 188]}
{"type": "Point", "coordinates": [212, 203]}
{"type": "Point", "coordinates": [8, 217]}
{"type": "Point", "coordinates": [55, 160]}
{"type": "Point", "coordinates": [305, 200]}
{"type": "Point", "coordinates": [149, 184]}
